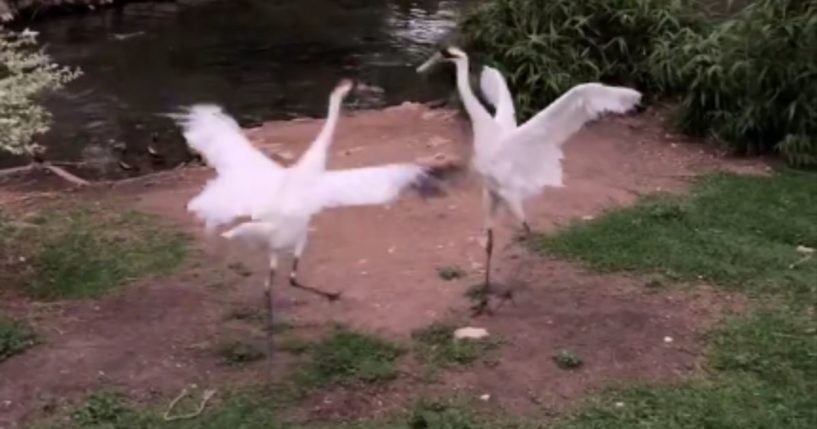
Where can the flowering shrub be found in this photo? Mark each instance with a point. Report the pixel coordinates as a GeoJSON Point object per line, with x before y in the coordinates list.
{"type": "Point", "coordinates": [25, 72]}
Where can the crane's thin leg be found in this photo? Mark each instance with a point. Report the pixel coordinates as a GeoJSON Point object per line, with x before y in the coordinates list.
{"type": "Point", "coordinates": [491, 204]}
{"type": "Point", "coordinates": [273, 265]}
{"type": "Point", "coordinates": [516, 208]}
{"type": "Point", "coordinates": [293, 281]}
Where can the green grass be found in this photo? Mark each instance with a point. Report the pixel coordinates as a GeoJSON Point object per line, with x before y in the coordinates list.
{"type": "Point", "coordinates": [348, 358]}
{"type": "Point", "coordinates": [450, 272]}
{"type": "Point", "coordinates": [567, 359]}
{"type": "Point", "coordinates": [246, 411]}
{"type": "Point", "coordinates": [15, 338]}
{"type": "Point", "coordinates": [739, 233]}
{"type": "Point", "coordinates": [103, 409]}
{"type": "Point", "coordinates": [435, 344]}
{"type": "Point", "coordinates": [762, 365]}
{"type": "Point", "coordinates": [239, 352]}
{"type": "Point", "coordinates": [736, 231]}
{"type": "Point", "coordinates": [82, 252]}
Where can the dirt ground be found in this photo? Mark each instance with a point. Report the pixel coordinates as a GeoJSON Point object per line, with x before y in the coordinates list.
{"type": "Point", "coordinates": [154, 337]}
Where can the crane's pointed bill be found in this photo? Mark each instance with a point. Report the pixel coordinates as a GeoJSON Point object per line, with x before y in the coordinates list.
{"type": "Point", "coordinates": [431, 62]}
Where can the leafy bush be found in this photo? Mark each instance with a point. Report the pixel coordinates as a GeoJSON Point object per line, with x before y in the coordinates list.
{"type": "Point", "coordinates": [749, 81]}
{"type": "Point", "coordinates": [546, 47]}
{"type": "Point", "coordinates": [752, 81]}
{"type": "Point", "coordinates": [24, 74]}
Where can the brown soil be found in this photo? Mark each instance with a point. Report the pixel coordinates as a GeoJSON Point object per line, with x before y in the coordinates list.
{"type": "Point", "coordinates": [153, 338]}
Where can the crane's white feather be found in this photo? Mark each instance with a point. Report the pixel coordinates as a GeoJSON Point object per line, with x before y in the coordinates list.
{"type": "Point", "coordinates": [529, 157]}
{"type": "Point", "coordinates": [496, 90]}
{"type": "Point", "coordinates": [244, 174]}
{"type": "Point", "coordinates": [368, 185]}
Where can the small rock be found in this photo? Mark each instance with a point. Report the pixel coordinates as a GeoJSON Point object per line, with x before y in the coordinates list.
{"type": "Point", "coordinates": [485, 397]}
{"type": "Point", "coordinates": [668, 340]}
{"type": "Point", "coordinates": [805, 250]}
{"type": "Point", "coordinates": [470, 332]}
{"type": "Point", "coordinates": [588, 217]}
{"type": "Point", "coordinates": [619, 404]}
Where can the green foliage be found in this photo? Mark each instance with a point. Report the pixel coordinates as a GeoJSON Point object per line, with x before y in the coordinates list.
{"type": "Point", "coordinates": [15, 338]}
{"type": "Point", "coordinates": [737, 231]}
{"type": "Point", "coordinates": [25, 73]}
{"type": "Point", "coordinates": [239, 352]}
{"type": "Point", "coordinates": [80, 252]}
{"type": "Point", "coordinates": [749, 81]}
{"type": "Point", "coordinates": [102, 410]}
{"type": "Point", "coordinates": [546, 47]}
{"type": "Point", "coordinates": [346, 357]}
{"type": "Point", "coordinates": [436, 344]}
{"type": "Point", "coordinates": [450, 272]}
{"type": "Point", "coordinates": [566, 359]}
{"type": "Point", "coordinates": [752, 82]}
{"type": "Point", "coordinates": [251, 411]}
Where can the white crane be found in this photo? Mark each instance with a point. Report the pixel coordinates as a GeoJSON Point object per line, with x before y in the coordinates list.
{"type": "Point", "coordinates": [279, 201]}
{"type": "Point", "coordinates": [517, 162]}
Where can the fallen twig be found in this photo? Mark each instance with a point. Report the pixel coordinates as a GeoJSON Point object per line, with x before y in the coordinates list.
{"type": "Point", "coordinates": [208, 393]}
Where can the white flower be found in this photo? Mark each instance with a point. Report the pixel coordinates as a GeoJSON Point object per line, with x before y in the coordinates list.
{"type": "Point", "coordinates": [25, 72]}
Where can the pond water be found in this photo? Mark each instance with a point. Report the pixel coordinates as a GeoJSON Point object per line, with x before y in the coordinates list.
{"type": "Point", "coordinates": [260, 59]}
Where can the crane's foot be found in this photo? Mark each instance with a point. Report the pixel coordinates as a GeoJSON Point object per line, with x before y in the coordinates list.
{"type": "Point", "coordinates": [331, 296]}
{"type": "Point", "coordinates": [481, 308]}
{"type": "Point", "coordinates": [483, 297]}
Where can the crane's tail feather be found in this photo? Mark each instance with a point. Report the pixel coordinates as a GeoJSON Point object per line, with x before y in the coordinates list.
{"type": "Point", "coordinates": [429, 184]}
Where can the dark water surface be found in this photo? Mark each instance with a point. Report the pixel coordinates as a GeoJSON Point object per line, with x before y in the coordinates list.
{"type": "Point", "coordinates": [260, 59]}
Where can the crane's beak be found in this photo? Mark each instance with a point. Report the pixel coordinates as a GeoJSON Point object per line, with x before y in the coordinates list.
{"type": "Point", "coordinates": [431, 62]}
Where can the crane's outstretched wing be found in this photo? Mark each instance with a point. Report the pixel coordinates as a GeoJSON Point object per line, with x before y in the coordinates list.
{"type": "Point", "coordinates": [243, 172]}
{"type": "Point", "coordinates": [529, 157]}
{"type": "Point", "coordinates": [496, 90]}
{"type": "Point", "coordinates": [368, 185]}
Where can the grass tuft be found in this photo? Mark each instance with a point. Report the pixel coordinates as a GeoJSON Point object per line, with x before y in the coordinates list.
{"type": "Point", "coordinates": [82, 252]}
{"type": "Point", "coordinates": [348, 358]}
{"type": "Point", "coordinates": [567, 359]}
{"type": "Point", "coordinates": [436, 344]}
{"type": "Point", "coordinates": [103, 410]}
{"type": "Point", "coordinates": [450, 272]}
{"type": "Point", "coordinates": [15, 338]}
{"type": "Point", "coordinates": [239, 352]}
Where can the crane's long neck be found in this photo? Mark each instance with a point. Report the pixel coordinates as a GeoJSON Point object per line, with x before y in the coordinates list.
{"type": "Point", "coordinates": [314, 159]}
{"type": "Point", "coordinates": [472, 105]}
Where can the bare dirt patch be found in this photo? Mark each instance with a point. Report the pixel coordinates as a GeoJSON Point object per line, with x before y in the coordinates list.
{"type": "Point", "coordinates": [150, 340]}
